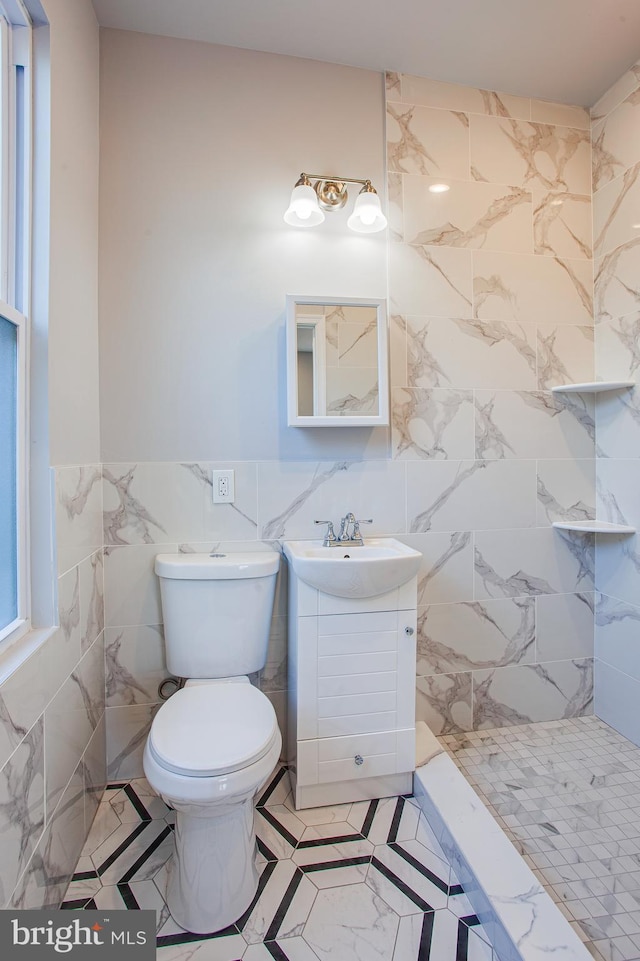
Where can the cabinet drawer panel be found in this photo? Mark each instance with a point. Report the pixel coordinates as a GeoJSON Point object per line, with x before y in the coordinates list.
{"type": "Point", "coordinates": [357, 663]}
{"type": "Point", "coordinates": [356, 704]}
{"type": "Point", "coordinates": [363, 643]}
{"type": "Point", "coordinates": [357, 724]}
{"type": "Point", "coordinates": [367, 745]}
{"type": "Point", "coordinates": [356, 684]}
{"type": "Point", "coordinates": [330, 624]}
{"type": "Point", "coordinates": [348, 770]}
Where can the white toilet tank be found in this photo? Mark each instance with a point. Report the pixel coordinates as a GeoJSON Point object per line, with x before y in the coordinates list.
{"type": "Point", "coordinates": [217, 611]}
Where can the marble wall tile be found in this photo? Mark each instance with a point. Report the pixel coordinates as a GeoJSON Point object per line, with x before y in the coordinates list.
{"type": "Point", "coordinates": [237, 521]}
{"type": "Point", "coordinates": [425, 141]}
{"type": "Point", "coordinates": [617, 486]}
{"type": "Point", "coordinates": [566, 490]}
{"type": "Point", "coordinates": [21, 808]}
{"type": "Point", "coordinates": [616, 284]}
{"type": "Point", "coordinates": [621, 89]}
{"type": "Point", "coordinates": [539, 561]}
{"type": "Point", "coordinates": [273, 676]}
{"type": "Point", "coordinates": [617, 635]}
{"type": "Point", "coordinates": [434, 282]}
{"type": "Point", "coordinates": [616, 700]}
{"type": "Point", "coordinates": [132, 593]}
{"type": "Point", "coordinates": [398, 352]}
{"type": "Point", "coordinates": [68, 649]}
{"type": "Point", "coordinates": [127, 729]}
{"type": "Point", "coordinates": [469, 353]}
{"type": "Point", "coordinates": [23, 697]}
{"type": "Point", "coordinates": [395, 206]}
{"type": "Point", "coordinates": [618, 570]}
{"type": "Point", "coordinates": [134, 664]}
{"type": "Point", "coordinates": [431, 423]}
{"type": "Point", "coordinates": [564, 626]}
{"type": "Point", "coordinates": [474, 495]}
{"type": "Point", "coordinates": [469, 214]}
{"type": "Point", "coordinates": [78, 514]}
{"type": "Point", "coordinates": [70, 720]}
{"type": "Point", "coordinates": [353, 390]}
{"type": "Point", "coordinates": [617, 343]}
{"type": "Point", "coordinates": [508, 151]}
{"type": "Point", "coordinates": [535, 424]}
{"type": "Point", "coordinates": [561, 114]}
{"type": "Point", "coordinates": [91, 599]}
{"type": "Point", "coordinates": [520, 694]}
{"type": "Point", "coordinates": [291, 495]}
{"type": "Point", "coordinates": [616, 141]}
{"type": "Point", "coordinates": [483, 634]}
{"type": "Point", "coordinates": [94, 771]}
{"type": "Point", "coordinates": [514, 287]}
{"type": "Point", "coordinates": [446, 569]}
{"type": "Point", "coordinates": [618, 423]}
{"type": "Point", "coordinates": [443, 701]}
{"type": "Point", "coordinates": [565, 355]}
{"type": "Point", "coordinates": [616, 212]}
{"type": "Point", "coordinates": [561, 223]}
{"type": "Point", "coordinates": [453, 96]}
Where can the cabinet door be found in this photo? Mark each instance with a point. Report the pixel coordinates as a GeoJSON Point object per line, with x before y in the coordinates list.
{"type": "Point", "coordinates": [327, 760]}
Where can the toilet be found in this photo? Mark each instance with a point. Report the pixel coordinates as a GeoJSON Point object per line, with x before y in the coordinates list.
{"type": "Point", "coordinates": [214, 743]}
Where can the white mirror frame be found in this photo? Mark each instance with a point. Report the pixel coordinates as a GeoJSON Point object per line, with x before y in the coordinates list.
{"type": "Point", "coordinates": [381, 419]}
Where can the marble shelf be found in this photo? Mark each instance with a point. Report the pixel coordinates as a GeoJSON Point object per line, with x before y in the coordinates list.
{"type": "Point", "coordinates": [592, 387]}
{"type": "Point", "coordinates": [594, 527]}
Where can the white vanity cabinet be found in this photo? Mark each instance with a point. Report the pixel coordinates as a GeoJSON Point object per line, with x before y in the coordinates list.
{"type": "Point", "coordinates": [351, 707]}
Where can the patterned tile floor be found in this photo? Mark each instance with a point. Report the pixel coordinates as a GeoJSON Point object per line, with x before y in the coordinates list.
{"type": "Point", "coordinates": [568, 795]}
{"type": "Point", "coordinates": [353, 882]}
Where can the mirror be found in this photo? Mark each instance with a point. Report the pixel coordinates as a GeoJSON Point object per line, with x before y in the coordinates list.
{"type": "Point", "coordinates": [337, 362]}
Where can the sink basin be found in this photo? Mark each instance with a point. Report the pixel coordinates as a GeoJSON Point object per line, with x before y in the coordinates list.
{"type": "Point", "coordinates": [377, 566]}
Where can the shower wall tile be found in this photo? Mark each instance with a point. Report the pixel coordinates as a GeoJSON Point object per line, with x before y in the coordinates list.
{"type": "Point", "coordinates": [617, 637]}
{"type": "Point", "coordinates": [538, 424]}
{"type": "Point", "coordinates": [616, 140]}
{"type": "Point", "coordinates": [432, 281]}
{"type": "Point", "coordinates": [616, 700]}
{"type": "Point", "coordinates": [446, 569]}
{"type": "Point", "coordinates": [617, 491]}
{"type": "Point", "coordinates": [134, 664]}
{"type": "Point", "coordinates": [519, 694]}
{"type": "Point", "coordinates": [443, 701]}
{"type": "Point", "coordinates": [469, 214]}
{"type": "Point", "coordinates": [420, 140]}
{"type": "Point", "coordinates": [292, 495]}
{"type": "Point", "coordinates": [508, 151]}
{"type": "Point", "coordinates": [528, 289]}
{"type": "Point", "coordinates": [560, 114]}
{"type": "Point", "coordinates": [453, 96]}
{"type": "Point", "coordinates": [566, 355]}
{"type": "Point", "coordinates": [615, 212]}
{"type": "Point", "coordinates": [616, 286]}
{"type": "Point", "coordinates": [618, 92]}
{"type": "Point", "coordinates": [465, 353]}
{"type": "Point", "coordinates": [531, 562]}
{"type": "Point", "coordinates": [474, 495]}
{"type": "Point", "coordinates": [564, 626]}
{"type": "Point", "coordinates": [618, 348]}
{"type": "Point", "coordinates": [78, 514]}
{"type": "Point", "coordinates": [431, 424]}
{"type": "Point", "coordinates": [473, 636]}
{"type": "Point", "coordinates": [562, 223]}
{"type": "Point", "coordinates": [566, 490]}
{"type": "Point", "coordinates": [618, 423]}
{"type": "Point", "coordinates": [618, 571]}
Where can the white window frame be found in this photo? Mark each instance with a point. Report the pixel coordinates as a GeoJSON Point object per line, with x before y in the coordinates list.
{"type": "Point", "coordinates": [15, 263]}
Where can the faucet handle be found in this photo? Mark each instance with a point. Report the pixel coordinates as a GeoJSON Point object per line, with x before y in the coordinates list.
{"type": "Point", "coordinates": [357, 536]}
{"type": "Point", "coordinates": [330, 535]}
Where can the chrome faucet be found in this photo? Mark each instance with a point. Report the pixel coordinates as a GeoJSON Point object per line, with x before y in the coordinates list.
{"type": "Point", "coordinates": [354, 539]}
{"type": "Point", "coordinates": [330, 535]}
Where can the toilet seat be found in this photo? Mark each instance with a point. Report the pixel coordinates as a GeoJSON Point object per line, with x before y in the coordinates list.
{"type": "Point", "coordinates": [212, 730]}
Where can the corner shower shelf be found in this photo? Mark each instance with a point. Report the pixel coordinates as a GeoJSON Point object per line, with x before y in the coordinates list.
{"type": "Point", "coordinates": [592, 387]}
{"type": "Point", "coordinates": [594, 527]}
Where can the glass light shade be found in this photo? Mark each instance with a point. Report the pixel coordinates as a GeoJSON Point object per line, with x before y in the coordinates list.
{"type": "Point", "coordinates": [367, 216]}
{"type": "Point", "coordinates": [303, 209]}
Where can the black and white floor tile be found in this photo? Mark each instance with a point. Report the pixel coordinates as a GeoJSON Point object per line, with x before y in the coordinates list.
{"type": "Point", "coordinates": [353, 882]}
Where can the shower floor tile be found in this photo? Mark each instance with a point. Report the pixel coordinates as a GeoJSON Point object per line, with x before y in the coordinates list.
{"type": "Point", "coordinates": [567, 793]}
{"type": "Point", "coordinates": [352, 882]}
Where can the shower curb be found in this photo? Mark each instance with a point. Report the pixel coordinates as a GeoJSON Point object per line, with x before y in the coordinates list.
{"type": "Point", "coordinates": [521, 919]}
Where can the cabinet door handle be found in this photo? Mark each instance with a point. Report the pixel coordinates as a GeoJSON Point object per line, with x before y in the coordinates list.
{"type": "Point", "coordinates": [359, 759]}
{"type": "Point", "coordinates": [409, 631]}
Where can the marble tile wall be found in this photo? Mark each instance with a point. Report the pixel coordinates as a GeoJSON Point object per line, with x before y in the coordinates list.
{"type": "Point", "coordinates": [491, 306]}
{"type": "Point", "coordinates": [52, 735]}
{"type": "Point", "coordinates": [616, 217]}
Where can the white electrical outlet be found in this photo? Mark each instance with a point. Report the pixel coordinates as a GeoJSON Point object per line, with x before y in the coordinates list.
{"type": "Point", "coordinates": [223, 486]}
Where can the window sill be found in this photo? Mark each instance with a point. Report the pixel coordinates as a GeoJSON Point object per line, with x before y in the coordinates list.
{"type": "Point", "coordinates": [16, 652]}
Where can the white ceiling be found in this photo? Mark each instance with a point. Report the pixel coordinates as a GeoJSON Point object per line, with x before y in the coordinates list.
{"type": "Point", "coordinates": [565, 50]}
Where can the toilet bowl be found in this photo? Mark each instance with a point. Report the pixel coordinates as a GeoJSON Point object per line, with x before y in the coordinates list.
{"type": "Point", "coordinates": [214, 743]}
{"type": "Point", "coordinates": [210, 750]}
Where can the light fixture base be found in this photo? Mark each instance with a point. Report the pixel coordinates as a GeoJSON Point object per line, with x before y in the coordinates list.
{"type": "Point", "coordinates": [332, 194]}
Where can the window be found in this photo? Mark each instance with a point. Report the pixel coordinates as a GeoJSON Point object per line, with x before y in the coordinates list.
{"type": "Point", "coordinates": [15, 40]}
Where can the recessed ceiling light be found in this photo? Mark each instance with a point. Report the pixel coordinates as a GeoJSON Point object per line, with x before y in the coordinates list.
{"type": "Point", "coordinates": [636, 226]}
{"type": "Point", "coordinates": [557, 202]}
{"type": "Point", "coordinates": [439, 188]}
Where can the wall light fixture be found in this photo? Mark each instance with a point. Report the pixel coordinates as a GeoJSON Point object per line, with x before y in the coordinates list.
{"type": "Point", "coordinates": [309, 201]}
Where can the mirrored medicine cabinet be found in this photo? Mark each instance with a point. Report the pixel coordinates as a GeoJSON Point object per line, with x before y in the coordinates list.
{"type": "Point", "coordinates": [337, 362]}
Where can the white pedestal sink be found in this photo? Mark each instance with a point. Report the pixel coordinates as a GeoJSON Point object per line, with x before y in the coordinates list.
{"type": "Point", "coordinates": [375, 567]}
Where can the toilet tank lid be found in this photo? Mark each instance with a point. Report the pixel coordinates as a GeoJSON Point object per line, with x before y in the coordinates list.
{"type": "Point", "coordinates": [217, 567]}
